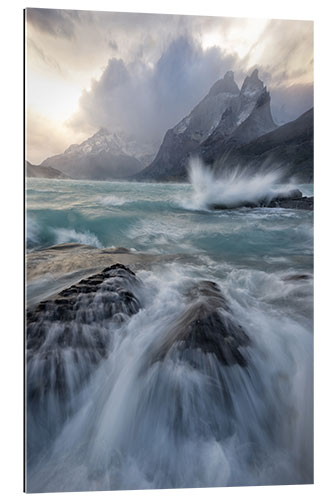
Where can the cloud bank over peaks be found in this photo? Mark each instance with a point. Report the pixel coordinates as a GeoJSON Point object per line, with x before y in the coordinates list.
{"type": "Point", "coordinates": [146, 99]}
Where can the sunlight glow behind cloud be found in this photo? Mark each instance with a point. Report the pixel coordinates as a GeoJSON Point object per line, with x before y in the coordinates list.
{"type": "Point", "coordinates": [71, 86]}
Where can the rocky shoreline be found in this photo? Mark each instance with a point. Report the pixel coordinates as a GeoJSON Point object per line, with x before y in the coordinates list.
{"type": "Point", "coordinates": [80, 320]}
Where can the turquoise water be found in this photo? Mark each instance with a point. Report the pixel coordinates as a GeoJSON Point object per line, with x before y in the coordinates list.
{"type": "Point", "coordinates": [159, 218]}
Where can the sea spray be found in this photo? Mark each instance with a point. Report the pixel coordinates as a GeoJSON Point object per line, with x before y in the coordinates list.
{"type": "Point", "coordinates": [232, 188]}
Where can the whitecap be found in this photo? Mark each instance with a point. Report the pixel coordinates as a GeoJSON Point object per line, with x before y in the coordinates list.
{"type": "Point", "coordinates": [63, 235]}
{"type": "Point", "coordinates": [113, 201]}
{"type": "Point", "coordinates": [32, 231]}
{"type": "Point", "coordinates": [231, 188]}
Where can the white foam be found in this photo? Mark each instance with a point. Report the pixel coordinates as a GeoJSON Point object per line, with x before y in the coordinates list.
{"type": "Point", "coordinates": [32, 231]}
{"type": "Point", "coordinates": [113, 201]}
{"type": "Point", "coordinates": [64, 235]}
{"type": "Point", "coordinates": [232, 188]}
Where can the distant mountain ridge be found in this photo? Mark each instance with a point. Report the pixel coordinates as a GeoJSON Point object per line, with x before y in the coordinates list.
{"type": "Point", "coordinates": [37, 171]}
{"type": "Point", "coordinates": [229, 127]}
{"type": "Point", "coordinates": [104, 156]}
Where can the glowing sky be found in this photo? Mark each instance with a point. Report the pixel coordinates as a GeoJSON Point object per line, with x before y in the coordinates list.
{"type": "Point", "coordinates": [145, 72]}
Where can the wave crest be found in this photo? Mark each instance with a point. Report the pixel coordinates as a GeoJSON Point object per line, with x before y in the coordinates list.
{"type": "Point", "coordinates": [63, 235]}
{"type": "Point", "coordinates": [232, 188]}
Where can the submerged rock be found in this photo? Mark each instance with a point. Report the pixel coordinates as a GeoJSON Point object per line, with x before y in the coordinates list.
{"type": "Point", "coordinates": [207, 325]}
{"type": "Point", "coordinates": [297, 277]}
{"type": "Point", "coordinates": [68, 335]}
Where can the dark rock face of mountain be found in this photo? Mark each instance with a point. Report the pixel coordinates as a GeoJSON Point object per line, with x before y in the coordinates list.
{"type": "Point", "coordinates": [44, 172]}
{"type": "Point", "coordinates": [103, 156]}
{"type": "Point", "coordinates": [230, 134]}
{"type": "Point", "coordinates": [229, 127]}
{"type": "Point", "coordinates": [289, 147]}
{"type": "Point", "coordinates": [226, 115]}
{"type": "Point", "coordinates": [193, 129]}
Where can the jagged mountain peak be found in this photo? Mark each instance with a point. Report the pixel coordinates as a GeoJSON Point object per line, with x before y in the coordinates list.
{"type": "Point", "coordinates": [225, 117]}
{"type": "Point", "coordinates": [204, 118]}
{"type": "Point", "coordinates": [252, 84]}
{"type": "Point", "coordinates": [101, 132]}
{"type": "Point", "coordinates": [226, 84]}
{"type": "Point", "coordinates": [254, 75]}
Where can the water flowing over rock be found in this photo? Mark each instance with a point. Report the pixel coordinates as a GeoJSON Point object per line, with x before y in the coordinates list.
{"type": "Point", "coordinates": [68, 336]}
{"type": "Point", "coordinates": [196, 371]}
{"type": "Point", "coordinates": [207, 325]}
{"type": "Point", "coordinates": [71, 321]}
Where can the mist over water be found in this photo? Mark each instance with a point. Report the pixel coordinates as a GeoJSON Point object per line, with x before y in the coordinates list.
{"type": "Point", "coordinates": [183, 420]}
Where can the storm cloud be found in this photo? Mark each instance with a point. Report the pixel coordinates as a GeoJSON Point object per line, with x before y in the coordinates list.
{"type": "Point", "coordinates": [55, 22]}
{"type": "Point", "coordinates": [146, 100]}
{"type": "Point", "coordinates": [142, 73]}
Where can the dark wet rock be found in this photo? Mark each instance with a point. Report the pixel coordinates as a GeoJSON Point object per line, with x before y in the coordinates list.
{"type": "Point", "coordinates": [207, 325]}
{"type": "Point", "coordinates": [297, 277]}
{"type": "Point", "coordinates": [293, 199]}
{"type": "Point", "coordinates": [303, 203]}
{"type": "Point", "coordinates": [71, 332]}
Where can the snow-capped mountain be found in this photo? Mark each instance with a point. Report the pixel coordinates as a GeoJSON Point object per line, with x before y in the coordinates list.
{"type": "Point", "coordinates": [105, 155]}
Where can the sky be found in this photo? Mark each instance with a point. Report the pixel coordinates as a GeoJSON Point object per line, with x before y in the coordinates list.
{"type": "Point", "coordinates": [143, 73]}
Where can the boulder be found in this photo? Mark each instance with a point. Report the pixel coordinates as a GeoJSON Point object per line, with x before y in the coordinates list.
{"type": "Point", "coordinates": [207, 325]}
{"type": "Point", "coordinates": [292, 199]}
{"type": "Point", "coordinates": [300, 203]}
{"type": "Point", "coordinates": [66, 336]}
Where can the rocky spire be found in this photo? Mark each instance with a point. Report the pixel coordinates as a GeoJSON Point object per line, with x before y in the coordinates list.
{"type": "Point", "coordinates": [252, 84]}
{"type": "Point", "coordinates": [225, 84]}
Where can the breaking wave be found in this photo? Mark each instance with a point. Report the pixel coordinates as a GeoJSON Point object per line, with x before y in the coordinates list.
{"type": "Point", "coordinates": [63, 235]}
{"type": "Point", "coordinates": [232, 188]}
{"type": "Point", "coordinates": [32, 232]}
